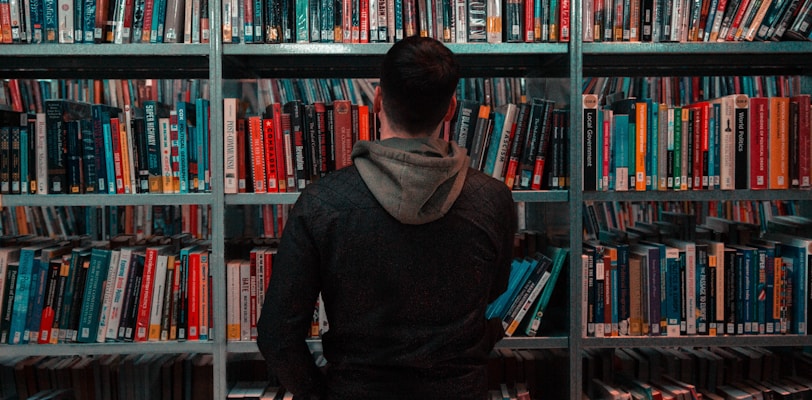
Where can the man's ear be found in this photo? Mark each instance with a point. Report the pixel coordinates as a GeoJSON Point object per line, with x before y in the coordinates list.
{"type": "Point", "coordinates": [452, 108]}
{"type": "Point", "coordinates": [376, 102]}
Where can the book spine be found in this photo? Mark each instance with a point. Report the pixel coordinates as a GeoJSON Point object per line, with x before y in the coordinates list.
{"type": "Point", "coordinates": [778, 143]}
{"type": "Point", "coordinates": [758, 141]}
{"type": "Point", "coordinates": [148, 285]}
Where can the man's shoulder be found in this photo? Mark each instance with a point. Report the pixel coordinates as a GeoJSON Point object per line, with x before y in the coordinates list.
{"type": "Point", "coordinates": [336, 186]}
{"type": "Point", "coordinates": [482, 184]}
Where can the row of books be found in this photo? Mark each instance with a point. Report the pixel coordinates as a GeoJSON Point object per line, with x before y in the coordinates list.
{"type": "Point", "coordinates": [679, 91]}
{"type": "Point", "coordinates": [733, 142]}
{"type": "Point", "coordinates": [88, 292]}
{"type": "Point", "coordinates": [342, 21]}
{"type": "Point", "coordinates": [688, 220]}
{"type": "Point", "coordinates": [116, 21]}
{"type": "Point", "coordinates": [29, 95]}
{"type": "Point", "coordinates": [729, 284]}
{"type": "Point", "coordinates": [696, 20]}
{"type": "Point", "coordinates": [524, 145]}
{"type": "Point", "coordinates": [106, 222]}
{"type": "Point", "coordinates": [531, 284]}
{"type": "Point", "coordinates": [75, 147]}
{"type": "Point", "coordinates": [115, 376]}
{"type": "Point", "coordinates": [737, 372]}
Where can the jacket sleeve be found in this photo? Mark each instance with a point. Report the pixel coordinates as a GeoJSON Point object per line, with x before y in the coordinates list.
{"type": "Point", "coordinates": [505, 234]}
{"type": "Point", "coordinates": [287, 311]}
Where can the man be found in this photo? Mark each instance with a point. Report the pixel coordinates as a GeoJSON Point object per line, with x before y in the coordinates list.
{"type": "Point", "coordinates": [407, 247]}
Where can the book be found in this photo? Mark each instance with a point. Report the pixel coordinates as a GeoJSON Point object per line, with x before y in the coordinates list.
{"type": "Point", "coordinates": [530, 291]}
{"type": "Point", "coordinates": [342, 133]}
{"type": "Point", "coordinates": [59, 115]}
{"type": "Point", "coordinates": [153, 112]}
{"type": "Point", "coordinates": [778, 143]}
{"type": "Point", "coordinates": [504, 123]}
{"type": "Point", "coordinates": [149, 307]}
{"type": "Point", "coordinates": [87, 330]}
{"type": "Point", "coordinates": [559, 257]}
{"type": "Point", "coordinates": [758, 166]}
{"type": "Point", "coordinates": [25, 291]}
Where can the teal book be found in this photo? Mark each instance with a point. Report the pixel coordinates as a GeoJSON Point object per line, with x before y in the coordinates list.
{"type": "Point", "coordinates": [202, 144]}
{"type": "Point", "coordinates": [187, 158]}
{"type": "Point", "coordinates": [620, 155]}
{"type": "Point", "coordinates": [27, 275]}
{"type": "Point", "coordinates": [559, 258]}
{"type": "Point", "coordinates": [673, 299]}
{"type": "Point", "coordinates": [88, 327]}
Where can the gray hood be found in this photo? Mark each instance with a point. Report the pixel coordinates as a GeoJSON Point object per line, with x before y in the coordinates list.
{"type": "Point", "coordinates": [415, 180]}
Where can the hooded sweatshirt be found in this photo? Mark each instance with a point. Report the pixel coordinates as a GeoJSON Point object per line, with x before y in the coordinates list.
{"type": "Point", "coordinates": [407, 246]}
{"type": "Point", "coordinates": [415, 180]}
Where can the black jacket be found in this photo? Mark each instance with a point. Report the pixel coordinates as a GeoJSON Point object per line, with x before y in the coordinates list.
{"type": "Point", "coordinates": [405, 301]}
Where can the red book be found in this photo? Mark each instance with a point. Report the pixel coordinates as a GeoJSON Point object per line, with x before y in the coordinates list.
{"type": "Point", "coordinates": [342, 132]}
{"type": "Point", "coordinates": [193, 296]}
{"type": "Point", "coordinates": [759, 132]}
{"type": "Point", "coordinates": [804, 140]}
{"type": "Point", "coordinates": [270, 154]}
{"type": "Point", "coordinates": [115, 128]}
{"type": "Point", "coordinates": [700, 143]}
{"type": "Point", "coordinates": [564, 23]}
{"type": "Point", "coordinates": [145, 299]}
{"type": "Point", "coordinates": [257, 147]}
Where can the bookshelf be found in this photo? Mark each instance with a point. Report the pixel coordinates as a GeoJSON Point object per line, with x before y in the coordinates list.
{"type": "Point", "coordinates": [219, 62]}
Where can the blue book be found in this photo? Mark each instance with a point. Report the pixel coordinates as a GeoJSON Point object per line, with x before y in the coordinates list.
{"type": "Point", "coordinates": [673, 299]}
{"type": "Point", "coordinates": [518, 267]}
{"type": "Point", "coordinates": [37, 20]}
{"type": "Point", "coordinates": [92, 299]}
{"type": "Point", "coordinates": [652, 146]}
{"type": "Point", "coordinates": [50, 24]}
{"type": "Point", "coordinates": [27, 275]}
{"type": "Point", "coordinates": [158, 21]}
{"type": "Point", "coordinates": [186, 143]}
{"type": "Point", "coordinates": [796, 252]}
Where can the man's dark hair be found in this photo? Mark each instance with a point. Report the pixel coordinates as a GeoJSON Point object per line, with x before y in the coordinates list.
{"type": "Point", "coordinates": [418, 78]}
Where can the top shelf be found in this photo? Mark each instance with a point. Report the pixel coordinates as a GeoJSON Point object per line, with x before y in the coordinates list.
{"type": "Point", "coordinates": [295, 60]}
{"type": "Point", "coordinates": [111, 61]}
{"type": "Point", "coordinates": [664, 59]}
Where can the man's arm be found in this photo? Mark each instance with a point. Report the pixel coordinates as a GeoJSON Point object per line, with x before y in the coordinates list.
{"type": "Point", "coordinates": [287, 312]}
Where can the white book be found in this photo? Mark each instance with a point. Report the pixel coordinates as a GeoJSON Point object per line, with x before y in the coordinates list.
{"type": "Point", "coordinates": [117, 302]}
{"type": "Point", "coordinates": [165, 142]}
{"type": "Point", "coordinates": [233, 269]}
{"type": "Point", "coordinates": [65, 21]}
{"type": "Point", "coordinates": [230, 151]}
{"type": "Point", "coordinates": [7, 255]}
{"type": "Point", "coordinates": [245, 300]}
{"type": "Point", "coordinates": [158, 292]}
{"type": "Point", "coordinates": [510, 112]}
{"type": "Point", "coordinates": [107, 299]}
{"type": "Point", "coordinates": [41, 154]}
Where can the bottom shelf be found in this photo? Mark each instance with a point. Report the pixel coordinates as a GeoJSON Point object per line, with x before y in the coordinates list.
{"type": "Point", "coordinates": [734, 372]}
{"type": "Point", "coordinates": [153, 376]}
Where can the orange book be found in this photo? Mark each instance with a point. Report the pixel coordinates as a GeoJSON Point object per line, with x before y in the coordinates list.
{"type": "Point", "coordinates": [5, 23]}
{"type": "Point", "coordinates": [274, 111]}
{"type": "Point", "coordinates": [270, 154]}
{"type": "Point", "coordinates": [342, 132]}
{"type": "Point", "coordinates": [257, 148]}
{"type": "Point", "coordinates": [363, 122]}
{"type": "Point", "coordinates": [641, 134]}
{"type": "Point", "coordinates": [127, 169]}
{"type": "Point", "coordinates": [778, 143]}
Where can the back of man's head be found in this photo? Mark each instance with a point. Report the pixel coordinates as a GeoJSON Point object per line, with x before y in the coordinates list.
{"type": "Point", "coordinates": [418, 78]}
